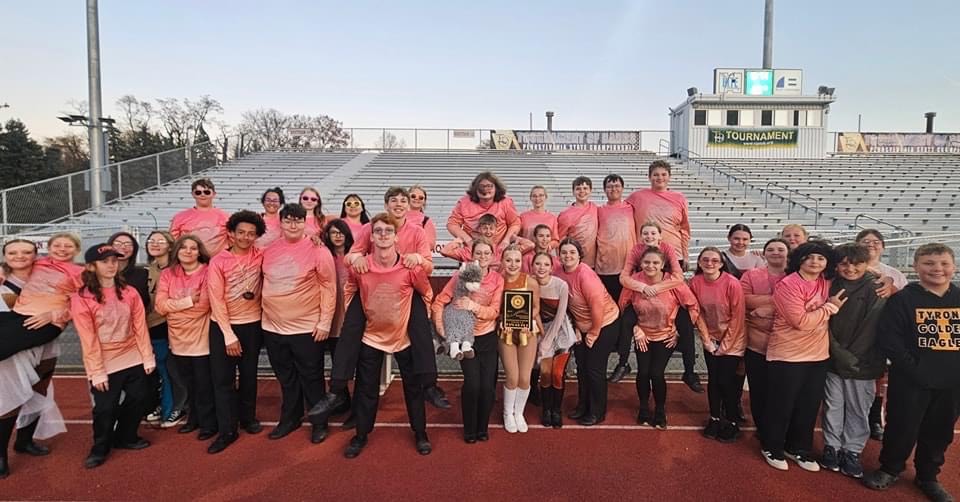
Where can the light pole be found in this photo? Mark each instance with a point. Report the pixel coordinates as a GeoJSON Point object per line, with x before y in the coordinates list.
{"type": "Point", "coordinates": [95, 174]}
{"type": "Point", "coordinates": [93, 88]}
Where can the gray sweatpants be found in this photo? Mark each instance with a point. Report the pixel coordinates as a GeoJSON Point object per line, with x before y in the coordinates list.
{"type": "Point", "coordinates": [846, 407]}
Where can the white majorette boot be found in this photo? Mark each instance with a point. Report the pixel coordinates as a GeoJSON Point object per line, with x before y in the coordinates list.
{"type": "Point", "coordinates": [509, 403]}
{"type": "Point", "coordinates": [518, 407]}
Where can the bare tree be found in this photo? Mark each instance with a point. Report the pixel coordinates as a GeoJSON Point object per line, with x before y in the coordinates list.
{"type": "Point", "coordinates": [268, 129]}
{"type": "Point", "coordinates": [174, 120]}
{"type": "Point", "coordinates": [389, 141]}
{"type": "Point", "coordinates": [136, 114]}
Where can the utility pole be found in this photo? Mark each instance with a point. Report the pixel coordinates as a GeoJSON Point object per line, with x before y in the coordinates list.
{"type": "Point", "coordinates": [768, 34]}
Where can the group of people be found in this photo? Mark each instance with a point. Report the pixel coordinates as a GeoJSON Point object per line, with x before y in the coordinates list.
{"type": "Point", "coordinates": [810, 326]}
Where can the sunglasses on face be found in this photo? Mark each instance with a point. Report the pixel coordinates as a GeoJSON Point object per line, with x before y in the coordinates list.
{"type": "Point", "coordinates": [202, 192]}
{"type": "Point", "coordinates": [418, 197]}
{"type": "Point", "coordinates": [310, 199]}
{"type": "Point", "coordinates": [353, 203]}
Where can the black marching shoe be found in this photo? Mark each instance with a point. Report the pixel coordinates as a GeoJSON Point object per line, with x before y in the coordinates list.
{"type": "Point", "coordinates": [327, 404]}
{"type": "Point", "coordinates": [590, 420]}
{"type": "Point", "coordinates": [435, 396]}
{"type": "Point", "coordinates": [252, 427]}
{"type": "Point", "coordinates": [469, 438]}
{"type": "Point", "coordinates": [579, 412]}
{"type": "Point", "coordinates": [139, 444]}
{"type": "Point", "coordinates": [483, 436]}
{"type": "Point", "coordinates": [349, 423]}
{"type": "Point", "coordinates": [94, 460]}
{"type": "Point", "coordinates": [693, 381]}
{"type": "Point", "coordinates": [712, 430]}
{"type": "Point", "coordinates": [729, 432]}
{"type": "Point", "coordinates": [24, 442]}
{"type": "Point", "coordinates": [660, 419]}
{"type": "Point", "coordinates": [643, 416]}
{"type": "Point", "coordinates": [221, 443]}
{"type": "Point", "coordinates": [282, 430]}
{"type": "Point", "coordinates": [187, 428]}
{"type": "Point", "coordinates": [876, 431]}
{"type": "Point", "coordinates": [355, 447]}
{"type": "Point", "coordinates": [319, 433]}
{"type": "Point", "coordinates": [423, 444]}
{"type": "Point", "coordinates": [619, 372]}
{"type": "Point", "coordinates": [206, 434]}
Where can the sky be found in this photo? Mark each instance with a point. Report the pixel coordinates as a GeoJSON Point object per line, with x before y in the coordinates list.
{"type": "Point", "coordinates": [597, 64]}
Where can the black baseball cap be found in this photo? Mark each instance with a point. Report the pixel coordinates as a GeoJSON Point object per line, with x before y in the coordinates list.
{"type": "Point", "coordinates": [99, 252]}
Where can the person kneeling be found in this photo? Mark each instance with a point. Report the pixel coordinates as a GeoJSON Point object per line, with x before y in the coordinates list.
{"type": "Point", "coordinates": [386, 291]}
{"type": "Point", "coordinates": [117, 354]}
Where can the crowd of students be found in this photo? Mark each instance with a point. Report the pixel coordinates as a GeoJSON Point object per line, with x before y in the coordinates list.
{"type": "Point", "coordinates": [813, 328]}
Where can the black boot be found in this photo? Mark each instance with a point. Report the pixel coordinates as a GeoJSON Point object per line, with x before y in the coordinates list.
{"type": "Point", "coordinates": [535, 396]}
{"type": "Point", "coordinates": [546, 409]}
{"type": "Point", "coordinates": [582, 403]}
{"type": "Point", "coordinates": [6, 430]}
{"type": "Point", "coordinates": [557, 402]}
{"type": "Point", "coordinates": [25, 444]}
{"type": "Point", "coordinates": [876, 419]}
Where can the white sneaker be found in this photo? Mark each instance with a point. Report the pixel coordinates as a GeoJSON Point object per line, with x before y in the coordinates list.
{"type": "Point", "coordinates": [509, 402]}
{"type": "Point", "coordinates": [805, 462]}
{"type": "Point", "coordinates": [156, 416]}
{"type": "Point", "coordinates": [455, 351]}
{"type": "Point", "coordinates": [777, 463]}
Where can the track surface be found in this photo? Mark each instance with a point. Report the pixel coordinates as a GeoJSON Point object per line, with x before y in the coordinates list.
{"type": "Point", "coordinates": [615, 461]}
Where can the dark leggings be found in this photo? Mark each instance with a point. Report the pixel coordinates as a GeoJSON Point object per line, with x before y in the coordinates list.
{"type": "Point", "coordinates": [479, 385]}
{"type": "Point", "coordinates": [651, 367]}
{"type": "Point", "coordinates": [592, 370]}
{"type": "Point", "coordinates": [722, 385]}
{"type": "Point", "coordinates": [685, 340]}
{"type": "Point", "coordinates": [756, 364]}
{"type": "Point", "coordinates": [17, 338]}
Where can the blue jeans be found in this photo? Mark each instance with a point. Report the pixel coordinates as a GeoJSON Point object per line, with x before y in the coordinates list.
{"type": "Point", "coordinates": [161, 349]}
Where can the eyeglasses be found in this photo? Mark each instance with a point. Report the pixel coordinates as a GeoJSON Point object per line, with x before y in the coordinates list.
{"type": "Point", "coordinates": [157, 243]}
{"type": "Point", "coordinates": [418, 197]}
{"type": "Point", "coordinates": [871, 243]}
{"type": "Point", "coordinates": [271, 201]}
{"type": "Point", "coordinates": [485, 186]}
{"type": "Point", "coordinates": [121, 244]}
{"type": "Point", "coordinates": [710, 260]}
{"type": "Point", "coordinates": [335, 233]}
{"type": "Point", "coordinates": [384, 231]}
{"type": "Point", "coordinates": [353, 203]}
{"type": "Point", "coordinates": [293, 221]}
{"type": "Point", "coordinates": [202, 192]}
{"type": "Point", "coordinates": [308, 198]}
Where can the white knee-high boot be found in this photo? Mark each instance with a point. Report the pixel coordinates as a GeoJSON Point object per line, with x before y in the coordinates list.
{"type": "Point", "coordinates": [519, 405]}
{"type": "Point", "coordinates": [509, 403]}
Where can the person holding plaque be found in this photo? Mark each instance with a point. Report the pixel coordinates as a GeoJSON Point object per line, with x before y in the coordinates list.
{"type": "Point", "coordinates": [479, 373]}
{"type": "Point", "coordinates": [596, 318]}
{"type": "Point", "coordinates": [519, 327]}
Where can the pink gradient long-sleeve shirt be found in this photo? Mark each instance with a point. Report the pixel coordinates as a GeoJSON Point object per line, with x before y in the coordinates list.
{"type": "Point", "coordinates": [429, 228]}
{"type": "Point", "coordinates": [488, 297]}
{"type": "Point", "coordinates": [411, 239]}
{"type": "Point", "coordinates": [657, 316]}
{"type": "Point", "coordinates": [466, 216]}
{"type": "Point", "coordinates": [669, 210]}
{"type": "Point", "coordinates": [229, 276]}
{"type": "Point", "coordinates": [759, 282]}
{"type": "Point", "coordinates": [590, 305]}
{"type": "Point", "coordinates": [616, 237]}
{"type": "Point", "coordinates": [208, 225]}
{"type": "Point", "coordinates": [800, 324]}
{"type": "Point", "coordinates": [530, 219]}
{"type": "Point", "coordinates": [48, 289]}
{"type": "Point", "coordinates": [188, 322]}
{"type": "Point", "coordinates": [387, 294]}
{"type": "Point", "coordinates": [274, 231]}
{"type": "Point", "coordinates": [113, 334]}
{"type": "Point", "coordinates": [580, 223]}
{"type": "Point", "coordinates": [299, 287]}
{"type": "Point", "coordinates": [722, 309]}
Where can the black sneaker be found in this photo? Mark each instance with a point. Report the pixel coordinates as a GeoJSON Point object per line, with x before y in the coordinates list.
{"type": "Point", "coordinates": [850, 464]}
{"type": "Point", "coordinates": [423, 444]}
{"type": "Point", "coordinates": [712, 430]}
{"type": "Point", "coordinates": [319, 434]}
{"type": "Point", "coordinates": [876, 431]}
{"type": "Point", "coordinates": [693, 381]}
{"type": "Point", "coordinates": [729, 432]}
{"type": "Point", "coordinates": [830, 459]}
{"type": "Point", "coordinates": [435, 396]}
{"type": "Point", "coordinates": [643, 417]}
{"type": "Point", "coordinates": [933, 490]}
{"type": "Point", "coordinates": [660, 420]}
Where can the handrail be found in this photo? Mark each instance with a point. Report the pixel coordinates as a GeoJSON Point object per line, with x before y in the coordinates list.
{"type": "Point", "coordinates": [816, 202]}
{"type": "Point", "coordinates": [695, 157]}
{"type": "Point", "coordinates": [856, 224]}
{"type": "Point", "coordinates": [660, 146]}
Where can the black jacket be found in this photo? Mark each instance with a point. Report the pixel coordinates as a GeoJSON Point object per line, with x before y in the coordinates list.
{"type": "Point", "coordinates": [854, 352]}
{"type": "Point", "coordinates": [920, 333]}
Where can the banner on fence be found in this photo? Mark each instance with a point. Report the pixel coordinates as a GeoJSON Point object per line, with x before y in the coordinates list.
{"type": "Point", "coordinates": [565, 140]}
{"type": "Point", "coordinates": [752, 138]}
{"type": "Point", "coordinates": [897, 142]}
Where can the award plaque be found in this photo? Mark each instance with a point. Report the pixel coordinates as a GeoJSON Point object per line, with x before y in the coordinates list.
{"type": "Point", "coordinates": [518, 309]}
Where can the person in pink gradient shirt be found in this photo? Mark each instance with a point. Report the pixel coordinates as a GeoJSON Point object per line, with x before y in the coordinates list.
{"type": "Point", "coordinates": [486, 195]}
{"type": "Point", "coordinates": [538, 215]}
{"type": "Point", "coordinates": [353, 211]}
{"type": "Point", "coordinates": [418, 206]}
{"type": "Point", "coordinates": [272, 200]}
{"type": "Point", "coordinates": [616, 237]}
{"type": "Point", "coordinates": [579, 221]}
{"type": "Point", "coordinates": [203, 220]}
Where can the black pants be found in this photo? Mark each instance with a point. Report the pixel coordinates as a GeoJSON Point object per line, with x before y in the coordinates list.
{"type": "Point", "coordinates": [297, 362]}
{"type": "Point", "coordinates": [198, 379]}
{"type": "Point", "coordinates": [651, 368]}
{"type": "Point", "coordinates": [479, 385]}
{"type": "Point", "coordinates": [917, 417]}
{"type": "Point", "coordinates": [236, 403]}
{"type": "Point", "coordinates": [116, 422]}
{"type": "Point", "coordinates": [722, 385]}
{"type": "Point", "coordinates": [367, 392]}
{"type": "Point", "coordinates": [792, 405]}
{"type": "Point", "coordinates": [756, 365]}
{"type": "Point", "coordinates": [351, 335]}
{"type": "Point", "coordinates": [592, 370]}
{"type": "Point", "coordinates": [17, 338]}
{"type": "Point", "coordinates": [686, 343]}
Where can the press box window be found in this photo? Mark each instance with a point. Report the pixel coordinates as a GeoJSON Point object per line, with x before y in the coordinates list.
{"type": "Point", "coordinates": [699, 117]}
{"type": "Point", "coordinates": [733, 117]}
{"type": "Point", "coordinates": [766, 117]}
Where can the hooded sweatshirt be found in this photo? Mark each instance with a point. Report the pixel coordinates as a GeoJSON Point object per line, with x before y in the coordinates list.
{"type": "Point", "coordinates": [920, 333]}
{"type": "Point", "coordinates": [853, 349]}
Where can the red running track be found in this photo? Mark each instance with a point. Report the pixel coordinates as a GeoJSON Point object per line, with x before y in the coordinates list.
{"type": "Point", "coordinates": [614, 461]}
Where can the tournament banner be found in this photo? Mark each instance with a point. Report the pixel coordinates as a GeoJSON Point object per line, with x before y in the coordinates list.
{"type": "Point", "coordinates": [752, 138]}
{"type": "Point", "coordinates": [897, 142]}
{"type": "Point", "coordinates": [510, 139]}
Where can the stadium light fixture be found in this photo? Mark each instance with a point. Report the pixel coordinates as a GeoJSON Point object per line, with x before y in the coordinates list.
{"type": "Point", "coordinates": [692, 91]}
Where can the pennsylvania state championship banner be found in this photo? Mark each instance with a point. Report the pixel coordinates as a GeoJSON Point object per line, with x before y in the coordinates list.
{"type": "Point", "coordinates": [752, 138]}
